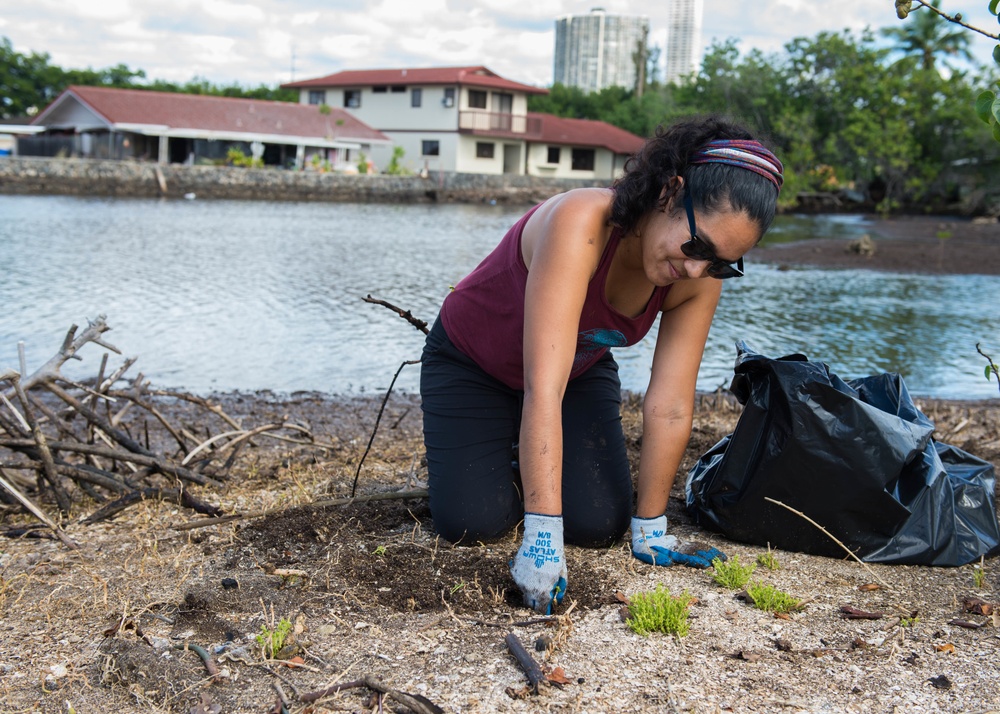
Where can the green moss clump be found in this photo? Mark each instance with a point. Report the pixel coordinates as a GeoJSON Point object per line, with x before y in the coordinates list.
{"type": "Point", "coordinates": [659, 611]}
{"type": "Point", "coordinates": [731, 574]}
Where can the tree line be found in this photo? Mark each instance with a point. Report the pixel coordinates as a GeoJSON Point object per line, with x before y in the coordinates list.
{"type": "Point", "coordinates": [889, 117]}
{"type": "Point", "coordinates": [29, 82]}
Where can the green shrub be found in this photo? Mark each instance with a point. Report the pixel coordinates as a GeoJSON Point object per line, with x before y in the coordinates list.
{"type": "Point", "coordinates": [730, 574]}
{"type": "Point", "coordinates": [768, 560]}
{"type": "Point", "coordinates": [659, 611]}
{"type": "Point", "coordinates": [770, 599]}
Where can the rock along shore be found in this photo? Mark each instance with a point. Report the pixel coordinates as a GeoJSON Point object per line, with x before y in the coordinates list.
{"type": "Point", "coordinates": [89, 177]}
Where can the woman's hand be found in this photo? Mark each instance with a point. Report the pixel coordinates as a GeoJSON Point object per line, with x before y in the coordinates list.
{"type": "Point", "coordinates": [539, 566]}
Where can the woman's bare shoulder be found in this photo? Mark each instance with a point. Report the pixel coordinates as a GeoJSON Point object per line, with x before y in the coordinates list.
{"type": "Point", "coordinates": [566, 217]}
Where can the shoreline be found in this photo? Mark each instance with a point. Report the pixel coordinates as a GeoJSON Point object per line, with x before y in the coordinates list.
{"type": "Point", "coordinates": [907, 244]}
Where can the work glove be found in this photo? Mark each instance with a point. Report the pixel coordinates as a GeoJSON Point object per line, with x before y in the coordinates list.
{"type": "Point", "coordinates": [539, 566]}
{"type": "Point", "coordinates": [651, 544]}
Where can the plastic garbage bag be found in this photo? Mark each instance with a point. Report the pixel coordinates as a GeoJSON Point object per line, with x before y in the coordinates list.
{"type": "Point", "coordinates": [857, 457]}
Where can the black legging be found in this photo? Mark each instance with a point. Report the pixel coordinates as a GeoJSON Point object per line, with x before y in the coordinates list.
{"type": "Point", "coordinates": [471, 425]}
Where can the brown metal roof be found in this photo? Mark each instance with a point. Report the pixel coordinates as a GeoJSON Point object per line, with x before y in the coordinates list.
{"type": "Point", "coordinates": [586, 132]}
{"type": "Point", "coordinates": [477, 76]}
{"type": "Point", "coordinates": [210, 113]}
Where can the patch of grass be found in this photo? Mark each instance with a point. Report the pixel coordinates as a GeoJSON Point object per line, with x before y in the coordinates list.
{"type": "Point", "coordinates": [768, 560]}
{"type": "Point", "coordinates": [731, 574]}
{"type": "Point", "coordinates": [659, 611]}
{"type": "Point", "coordinates": [271, 641]}
{"type": "Point", "coordinates": [770, 599]}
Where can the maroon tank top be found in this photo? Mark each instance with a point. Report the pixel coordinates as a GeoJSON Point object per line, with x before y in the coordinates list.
{"type": "Point", "coordinates": [484, 314]}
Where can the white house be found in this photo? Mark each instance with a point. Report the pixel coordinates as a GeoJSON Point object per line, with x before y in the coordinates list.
{"type": "Point", "coordinates": [102, 122]}
{"type": "Point", "coordinates": [469, 120]}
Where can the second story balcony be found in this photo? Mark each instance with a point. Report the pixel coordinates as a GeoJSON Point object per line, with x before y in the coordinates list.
{"type": "Point", "coordinates": [498, 124]}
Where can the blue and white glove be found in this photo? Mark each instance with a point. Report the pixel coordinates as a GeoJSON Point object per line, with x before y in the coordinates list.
{"type": "Point", "coordinates": [651, 544]}
{"type": "Point", "coordinates": [539, 566]}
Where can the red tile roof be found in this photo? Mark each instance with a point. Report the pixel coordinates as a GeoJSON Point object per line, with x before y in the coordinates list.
{"type": "Point", "coordinates": [210, 113]}
{"type": "Point", "coordinates": [586, 132]}
{"type": "Point", "coordinates": [469, 76]}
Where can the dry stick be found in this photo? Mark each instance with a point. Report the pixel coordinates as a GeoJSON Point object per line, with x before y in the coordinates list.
{"type": "Point", "coordinates": [173, 495]}
{"type": "Point", "coordinates": [49, 467]}
{"type": "Point", "coordinates": [371, 440]}
{"type": "Point", "coordinates": [831, 537]}
{"type": "Point", "coordinates": [392, 495]}
{"type": "Point", "coordinates": [143, 460]}
{"type": "Point", "coordinates": [405, 314]}
{"type": "Point", "coordinates": [97, 421]}
{"type": "Point", "coordinates": [214, 408]}
{"type": "Point", "coordinates": [39, 513]}
{"type": "Point", "coordinates": [70, 346]}
{"type": "Point", "coordinates": [524, 659]}
{"type": "Point", "coordinates": [240, 436]}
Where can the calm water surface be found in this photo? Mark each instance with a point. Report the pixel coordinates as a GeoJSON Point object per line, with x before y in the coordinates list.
{"type": "Point", "coordinates": [226, 295]}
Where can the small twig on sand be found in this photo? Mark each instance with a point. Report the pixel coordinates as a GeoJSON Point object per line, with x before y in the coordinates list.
{"type": "Point", "coordinates": [415, 702]}
{"type": "Point", "coordinates": [831, 537]}
{"type": "Point", "coordinates": [526, 662]}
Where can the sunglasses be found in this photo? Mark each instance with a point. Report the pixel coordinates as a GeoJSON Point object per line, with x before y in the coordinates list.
{"type": "Point", "coordinates": [697, 249]}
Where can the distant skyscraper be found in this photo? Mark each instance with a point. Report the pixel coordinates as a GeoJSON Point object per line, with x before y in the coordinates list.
{"type": "Point", "coordinates": [683, 38]}
{"type": "Point", "coordinates": [596, 51]}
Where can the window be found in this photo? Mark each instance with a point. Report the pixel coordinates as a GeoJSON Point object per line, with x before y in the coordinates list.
{"type": "Point", "coordinates": [380, 89]}
{"type": "Point", "coordinates": [503, 103]}
{"type": "Point", "coordinates": [352, 98]}
{"type": "Point", "coordinates": [484, 150]}
{"type": "Point", "coordinates": [430, 147]}
{"type": "Point", "coordinates": [553, 155]}
{"type": "Point", "coordinates": [477, 99]}
{"type": "Point", "coordinates": [317, 96]}
{"type": "Point", "coordinates": [398, 88]}
{"type": "Point", "coordinates": [583, 159]}
{"type": "Point", "coordinates": [416, 97]}
{"type": "Point", "coordinates": [449, 97]}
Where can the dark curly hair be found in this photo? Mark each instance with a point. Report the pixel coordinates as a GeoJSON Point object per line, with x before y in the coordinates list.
{"type": "Point", "coordinates": [713, 186]}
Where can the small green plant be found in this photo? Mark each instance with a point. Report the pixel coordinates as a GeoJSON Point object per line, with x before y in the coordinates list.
{"type": "Point", "coordinates": [271, 641]}
{"type": "Point", "coordinates": [395, 167]}
{"type": "Point", "coordinates": [362, 163]}
{"type": "Point", "coordinates": [769, 599]}
{"type": "Point", "coordinates": [908, 621]}
{"type": "Point", "coordinates": [768, 560]}
{"type": "Point", "coordinates": [456, 587]}
{"type": "Point", "coordinates": [731, 574]}
{"type": "Point", "coordinates": [236, 157]}
{"type": "Point", "coordinates": [379, 551]}
{"type": "Point", "coordinates": [979, 574]}
{"type": "Point", "coordinates": [659, 611]}
{"type": "Point", "coordinates": [324, 109]}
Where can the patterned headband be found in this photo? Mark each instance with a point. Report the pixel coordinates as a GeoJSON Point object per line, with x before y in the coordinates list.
{"type": "Point", "coordinates": [745, 153]}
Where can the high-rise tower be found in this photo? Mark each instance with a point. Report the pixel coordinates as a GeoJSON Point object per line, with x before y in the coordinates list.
{"type": "Point", "coordinates": [683, 38]}
{"type": "Point", "coordinates": [598, 50]}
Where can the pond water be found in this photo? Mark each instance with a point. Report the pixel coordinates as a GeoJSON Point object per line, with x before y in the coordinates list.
{"type": "Point", "coordinates": [227, 295]}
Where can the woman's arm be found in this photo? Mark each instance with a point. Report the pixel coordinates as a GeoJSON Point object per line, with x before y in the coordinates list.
{"type": "Point", "coordinates": [668, 407]}
{"type": "Point", "coordinates": [562, 246]}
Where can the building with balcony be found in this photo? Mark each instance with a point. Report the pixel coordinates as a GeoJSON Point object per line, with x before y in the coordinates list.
{"type": "Point", "coordinates": [468, 120]}
{"type": "Point", "coordinates": [598, 50]}
{"type": "Point", "coordinates": [683, 39]}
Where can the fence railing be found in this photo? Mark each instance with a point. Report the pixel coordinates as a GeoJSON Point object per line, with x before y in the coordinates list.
{"type": "Point", "coordinates": [494, 123]}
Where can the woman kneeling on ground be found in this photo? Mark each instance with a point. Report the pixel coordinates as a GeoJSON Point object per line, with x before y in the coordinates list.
{"type": "Point", "coordinates": [520, 391]}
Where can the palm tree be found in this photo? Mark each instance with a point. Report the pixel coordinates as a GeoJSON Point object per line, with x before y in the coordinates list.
{"type": "Point", "coordinates": [928, 35]}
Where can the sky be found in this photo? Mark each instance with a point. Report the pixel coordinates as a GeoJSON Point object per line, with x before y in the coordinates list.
{"type": "Point", "coordinates": [269, 42]}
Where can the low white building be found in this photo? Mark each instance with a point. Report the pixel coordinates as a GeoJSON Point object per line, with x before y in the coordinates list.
{"type": "Point", "coordinates": [107, 123]}
{"type": "Point", "coordinates": [469, 120]}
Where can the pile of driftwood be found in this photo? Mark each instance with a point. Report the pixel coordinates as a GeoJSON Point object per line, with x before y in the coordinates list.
{"type": "Point", "coordinates": [65, 442]}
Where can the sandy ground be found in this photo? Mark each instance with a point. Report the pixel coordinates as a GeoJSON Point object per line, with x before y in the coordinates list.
{"type": "Point", "coordinates": [368, 590]}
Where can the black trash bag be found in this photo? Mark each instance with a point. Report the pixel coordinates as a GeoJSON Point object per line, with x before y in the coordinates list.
{"type": "Point", "coordinates": [856, 457]}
